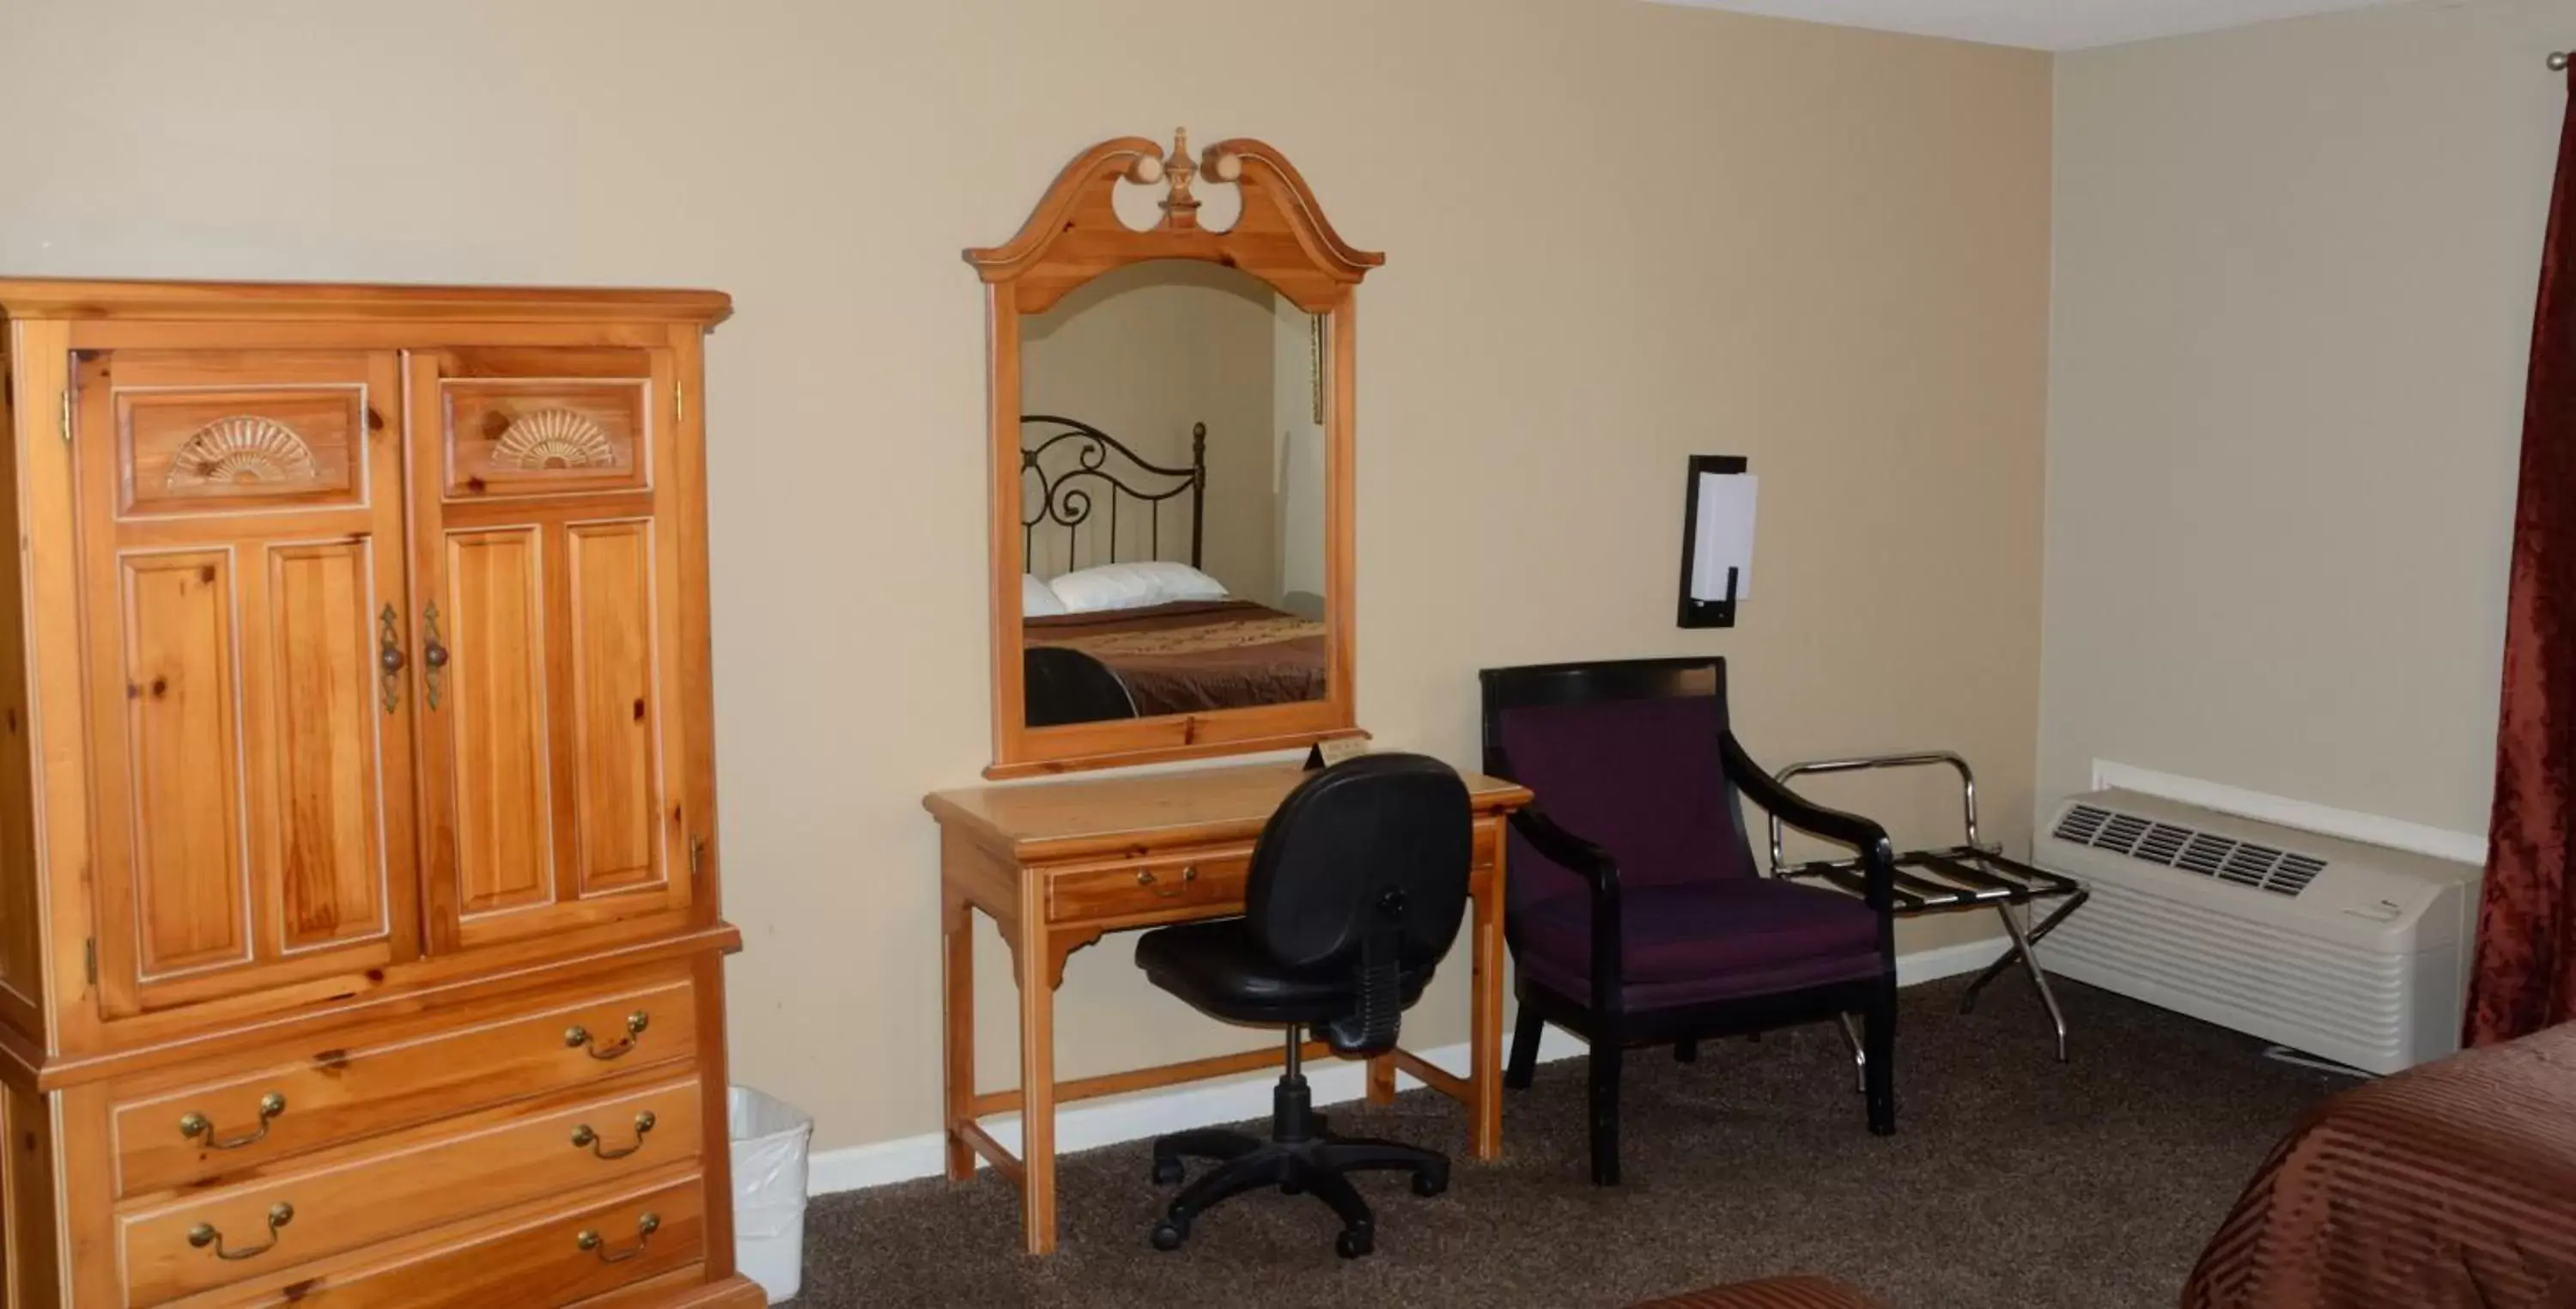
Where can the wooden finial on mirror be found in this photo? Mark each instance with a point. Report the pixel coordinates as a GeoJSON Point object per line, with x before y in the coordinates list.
{"type": "Point", "coordinates": [1180, 207]}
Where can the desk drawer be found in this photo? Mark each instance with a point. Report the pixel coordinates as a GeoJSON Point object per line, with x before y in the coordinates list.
{"type": "Point", "coordinates": [1145, 888]}
{"type": "Point", "coordinates": [573, 1252]}
{"type": "Point", "coordinates": [410, 1185]}
{"type": "Point", "coordinates": [171, 1139]}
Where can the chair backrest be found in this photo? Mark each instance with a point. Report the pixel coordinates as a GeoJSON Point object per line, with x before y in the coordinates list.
{"type": "Point", "coordinates": [1362, 871]}
{"type": "Point", "coordinates": [1627, 754]}
{"type": "Point", "coordinates": [1062, 685]}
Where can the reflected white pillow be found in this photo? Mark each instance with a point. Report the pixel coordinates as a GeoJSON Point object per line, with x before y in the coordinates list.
{"type": "Point", "coordinates": [1037, 599]}
{"type": "Point", "coordinates": [1133, 586]}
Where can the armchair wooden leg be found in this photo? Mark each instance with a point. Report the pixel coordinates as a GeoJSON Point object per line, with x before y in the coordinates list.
{"type": "Point", "coordinates": [1686, 1052]}
{"type": "Point", "coordinates": [1878, 1072]}
{"type": "Point", "coordinates": [1604, 1100]}
{"type": "Point", "coordinates": [1526, 1031]}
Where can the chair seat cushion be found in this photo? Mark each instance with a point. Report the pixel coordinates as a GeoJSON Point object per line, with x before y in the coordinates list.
{"type": "Point", "coordinates": [1680, 933]}
{"type": "Point", "coordinates": [1219, 969]}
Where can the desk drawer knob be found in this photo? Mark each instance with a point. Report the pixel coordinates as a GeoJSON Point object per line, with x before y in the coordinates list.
{"type": "Point", "coordinates": [645, 1227]}
{"type": "Point", "coordinates": [204, 1234]}
{"type": "Point", "coordinates": [583, 1138]}
{"type": "Point", "coordinates": [1146, 878]}
{"type": "Point", "coordinates": [578, 1038]}
{"type": "Point", "coordinates": [272, 1106]}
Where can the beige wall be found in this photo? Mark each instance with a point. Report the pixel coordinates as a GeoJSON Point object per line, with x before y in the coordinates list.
{"type": "Point", "coordinates": [2295, 267]}
{"type": "Point", "coordinates": [1145, 354]}
{"type": "Point", "coordinates": [1617, 234]}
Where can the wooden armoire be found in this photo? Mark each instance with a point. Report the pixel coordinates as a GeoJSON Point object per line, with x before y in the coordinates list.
{"type": "Point", "coordinates": [359, 940]}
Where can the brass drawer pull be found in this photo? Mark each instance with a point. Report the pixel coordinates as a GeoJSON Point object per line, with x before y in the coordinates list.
{"type": "Point", "coordinates": [1146, 878]}
{"type": "Point", "coordinates": [583, 1138]}
{"type": "Point", "coordinates": [645, 1227]}
{"type": "Point", "coordinates": [272, 1106]}
{"type": "Point", "coordinates": [204, 1234]}
{"type": "Point", "coordinates": [578, 1037]}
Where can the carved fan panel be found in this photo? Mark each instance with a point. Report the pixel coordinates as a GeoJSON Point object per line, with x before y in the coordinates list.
{"type": "Point", "coordinates": [554, 438]}
{"type": "Point", "coordinates": [535, 438]}
{"type": "Point", "coordinates": [243, 450]}
{"type": "Point", "coordinates": [210, 451]}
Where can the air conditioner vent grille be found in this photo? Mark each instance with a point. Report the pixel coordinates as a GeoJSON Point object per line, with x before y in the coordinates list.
{"type": "Point", "coordinates": [2281, 872]}
{"type": "Point", "coordinates": [2082, 823]}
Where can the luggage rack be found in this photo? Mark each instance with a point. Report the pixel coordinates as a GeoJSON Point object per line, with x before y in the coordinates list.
{"type": "Point", "coordinates": [1970, 876]}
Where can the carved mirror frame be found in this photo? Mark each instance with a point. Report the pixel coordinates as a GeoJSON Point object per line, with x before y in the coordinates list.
{"type": "Point", "coordinates": [1075, 235]}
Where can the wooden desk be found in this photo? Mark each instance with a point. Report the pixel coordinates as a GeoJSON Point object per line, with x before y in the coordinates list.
{"type": "Point", "coordinates": [1058, 865]}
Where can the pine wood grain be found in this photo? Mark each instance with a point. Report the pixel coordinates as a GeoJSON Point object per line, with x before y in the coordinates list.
{"type": "Point", "coordinates": [527, 1254]}
{"type": "Point", "coordinates": [306, 302]}
{"type": "Point", "coordinates": [364, 1195]}
{"type": "Point", "coordinates": [218, 773]}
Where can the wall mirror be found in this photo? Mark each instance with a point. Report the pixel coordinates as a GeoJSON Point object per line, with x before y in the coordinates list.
{"type": "Point", "coordinates": [1171, 424]}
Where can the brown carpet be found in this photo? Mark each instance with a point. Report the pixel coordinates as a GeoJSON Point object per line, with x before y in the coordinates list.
{"type": "Point", "coordinates": [2012, 1181]}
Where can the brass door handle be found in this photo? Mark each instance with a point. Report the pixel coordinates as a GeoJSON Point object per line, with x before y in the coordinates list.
{"type": "Point", "coordinates": [433, 654]}
{"type": "Point", "coordinates": [1146, 878]}
{"type": "Point", "coordinates": [583, 1138]}
{"type": "Point", "coordinates": [204, 1234]}
{"type": "Point", "coordinates": [389, 657]}
{"type": "Point", "coordinates": [272, 1106]}
{"type": "Point", "coordinates": [645, 1227]}
{"type": "Point", "coordinates": [578, 1037]}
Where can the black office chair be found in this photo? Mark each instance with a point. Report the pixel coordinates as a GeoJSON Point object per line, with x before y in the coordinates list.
{"type": "Point", "coordinates": [1355, 893]}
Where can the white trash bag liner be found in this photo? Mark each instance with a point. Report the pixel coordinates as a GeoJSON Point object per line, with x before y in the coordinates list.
{"type": "Point", "coordinates": [771, 1144]}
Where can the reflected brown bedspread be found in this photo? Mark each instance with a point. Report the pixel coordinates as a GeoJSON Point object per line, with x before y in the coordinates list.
{"type": "Point", "coordinates": [1195, 656]}
{"type": "Point", "coordinates": [2450, 1184]}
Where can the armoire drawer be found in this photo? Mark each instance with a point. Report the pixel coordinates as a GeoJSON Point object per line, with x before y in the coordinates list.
{"type": "Point", "coordinates": [417, 1182]}
{"type": "Point", "coordinates": [578, 1251]}
{"type": "Point", "coordinates": [177, 1138]}
{"type": "Point", "coordinates": [1146, 886]}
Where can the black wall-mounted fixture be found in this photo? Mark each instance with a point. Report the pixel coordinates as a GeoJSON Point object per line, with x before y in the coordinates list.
{"type": "Point", "coordinates": [1709, 604]}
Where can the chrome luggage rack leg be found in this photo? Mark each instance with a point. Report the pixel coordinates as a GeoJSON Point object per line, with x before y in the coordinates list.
{"type": "Point", "coordinates": [1967, 876]}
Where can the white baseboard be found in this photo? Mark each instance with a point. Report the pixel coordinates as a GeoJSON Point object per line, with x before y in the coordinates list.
{"type": "Point", "coordinates": [2351, 825]}
{"type": "Point", "coordinates": [1136, 1117]}
{"type": "Point", "coordinates": [1949, 960]}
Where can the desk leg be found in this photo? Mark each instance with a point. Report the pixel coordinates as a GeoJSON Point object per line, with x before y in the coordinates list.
{"type": "Point", "coordinates": [957, 969]}
{"type": "Point", "coordinates": [1381, 1079]}
{"type": "Point", "coordinates": [1485, 1041]}
{"type": "Point", "coordinates": [1037, 1071]}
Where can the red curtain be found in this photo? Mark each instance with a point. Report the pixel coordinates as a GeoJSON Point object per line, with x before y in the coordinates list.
{"type": "Point", "coordinates": [2526, 962]}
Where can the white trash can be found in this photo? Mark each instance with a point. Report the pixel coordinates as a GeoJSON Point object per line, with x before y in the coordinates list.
{"type": "Point", "coordinates": [771, 1142]}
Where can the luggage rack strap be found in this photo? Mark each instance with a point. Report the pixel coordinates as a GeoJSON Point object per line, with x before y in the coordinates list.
{"type": "Point", "coordinates": [1974, 877]}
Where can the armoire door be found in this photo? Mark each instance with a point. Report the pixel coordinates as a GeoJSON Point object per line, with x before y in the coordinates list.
{"type": "Point", "coordinates": [241, 542]}
{"type": "Point", "coordinates": [546, 556]}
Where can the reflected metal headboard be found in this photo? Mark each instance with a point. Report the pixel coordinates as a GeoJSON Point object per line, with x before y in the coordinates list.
{"type": "Point", "coordinates": [1065, 456]}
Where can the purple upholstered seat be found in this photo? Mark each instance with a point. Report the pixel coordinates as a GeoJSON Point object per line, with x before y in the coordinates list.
{"type": "Point", "coordinates": [1645, 779]}
{"type": "Point", "coordinates": [1750, 935]}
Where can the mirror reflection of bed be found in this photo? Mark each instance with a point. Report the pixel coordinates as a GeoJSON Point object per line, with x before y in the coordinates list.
{"type": "Point", "coordinates": [1172, 498]}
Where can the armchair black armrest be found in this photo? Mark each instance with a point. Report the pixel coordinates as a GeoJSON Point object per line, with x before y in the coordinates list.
{"type": "Point", "coordinates": [1577, 855]}
{"type": "Point", "coordinates": [1595, 865]}
{"type": "Point", "coordinates": [1878, 854]}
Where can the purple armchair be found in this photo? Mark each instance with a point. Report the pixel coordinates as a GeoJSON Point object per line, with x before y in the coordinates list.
{"type": "Point", "coordinates": [1636, 913]}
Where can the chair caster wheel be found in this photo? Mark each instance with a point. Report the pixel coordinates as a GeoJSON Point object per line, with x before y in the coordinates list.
{"type": "Point", "coordinates": [1167, 1172]}
{"type": "Point", "coordinates": [1168, 1235]}
{"type": "Point", "coordinates": [1428, 1184]}
{"type": "Point", "coordinates": [1354, 1242]}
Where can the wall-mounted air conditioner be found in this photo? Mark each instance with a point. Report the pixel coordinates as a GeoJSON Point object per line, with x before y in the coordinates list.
{"type": "Point", "coordinates": [2350, 952]}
